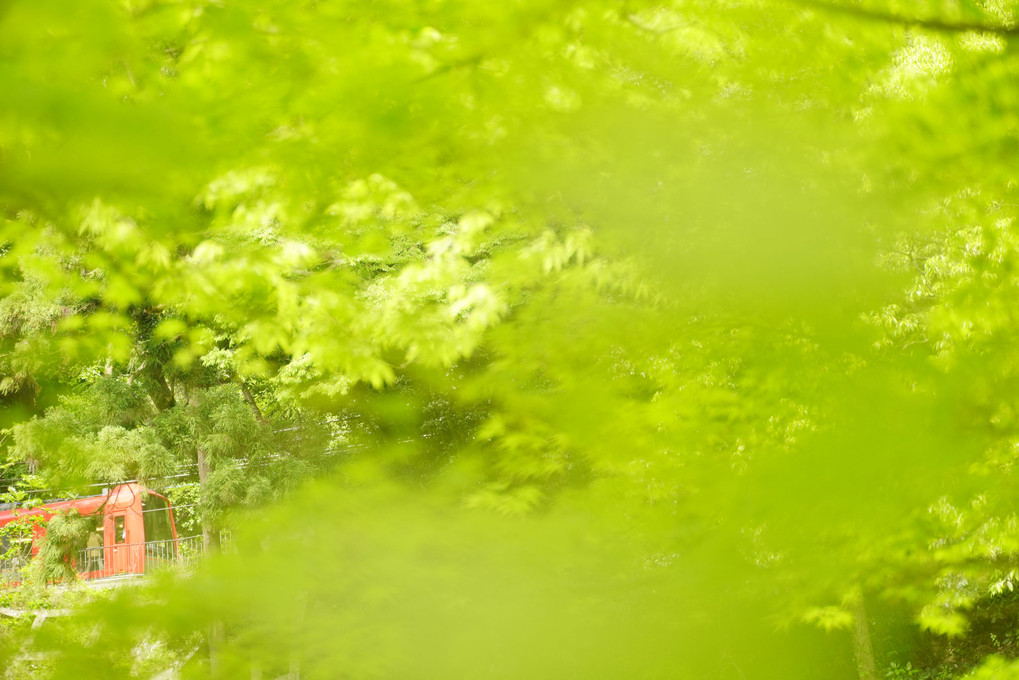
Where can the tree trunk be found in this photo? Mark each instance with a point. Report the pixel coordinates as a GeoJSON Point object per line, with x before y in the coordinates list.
{"type": "Point", "coordinates": [295, 656]}
{"type": "Point", "coordinates": [216, 639]}
{"type": "Point", "coordinates": [210, 534]}
{"type": "Point", "coordinates": [210, 544]}
{"type": "Point", "coordinates": [251, 401]}
{"type": "Point", "coordinates": [159, 390]}
{"type": "Point", "coordinates": [862, 648]}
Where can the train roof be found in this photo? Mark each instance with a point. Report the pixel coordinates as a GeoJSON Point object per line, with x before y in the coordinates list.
{"type": "Point", "coordinates": [120, 497]}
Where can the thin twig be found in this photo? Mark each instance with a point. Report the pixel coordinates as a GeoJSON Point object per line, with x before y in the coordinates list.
{"type": "Point", "coordinates": [915, 22]}
{"type": "Point", "coordinates": [468, 62]}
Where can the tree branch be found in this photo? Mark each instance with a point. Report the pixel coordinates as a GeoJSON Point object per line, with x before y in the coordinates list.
{"type": "Point", "coordinates": [251, 400]}
{"type": "Point", "coordinates": [913, 22]}
{"type": "Point", "coordinates": [467, 62]}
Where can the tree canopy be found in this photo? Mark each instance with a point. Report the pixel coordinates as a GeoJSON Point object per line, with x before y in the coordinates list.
{"type": "Point", "coordinates": [529, 339]}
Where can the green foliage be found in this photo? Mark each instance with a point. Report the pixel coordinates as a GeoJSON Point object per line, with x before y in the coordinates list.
{"type": "Point", "coordinates": [183, 499]}
{"type": "Point", "coordinates": [907, 672]}
{"type": "Point", "coordinates": [995, 668]}
{"type": "Point", "coordinates": [66, 534]}
{"type": "Point", "coordinates": [678, 319]}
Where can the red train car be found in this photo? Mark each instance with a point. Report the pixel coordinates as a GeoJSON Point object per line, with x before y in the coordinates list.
{"type": "Point", "coordinates": [133, 532]}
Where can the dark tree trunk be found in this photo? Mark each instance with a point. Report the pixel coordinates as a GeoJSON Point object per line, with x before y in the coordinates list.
{"type": "Point", "coordinates": [159, 390]}
{"type": "Point", "coordinates": [251, 401]}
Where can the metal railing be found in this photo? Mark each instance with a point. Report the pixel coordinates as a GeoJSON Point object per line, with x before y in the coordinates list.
{"type": "Point", "coordinates": [137, 558]}
{"type": "Point", "coordinates": [120, 559]}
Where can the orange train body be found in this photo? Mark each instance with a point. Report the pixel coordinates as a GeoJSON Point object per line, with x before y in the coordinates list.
{"type": "Point", "coordinates": [134, 530]}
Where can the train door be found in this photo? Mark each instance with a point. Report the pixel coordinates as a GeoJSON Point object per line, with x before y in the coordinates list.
{"type": "Point", "coordinates": [123, 544]}
{"type": "Point", "coordinates": [93, 564]}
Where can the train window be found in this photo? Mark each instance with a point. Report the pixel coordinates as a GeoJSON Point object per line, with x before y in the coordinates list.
{"type": "Point", "coordinates": [119, 530]}
{"type": "Point", "coordinates": [95, 533]}
{"type": "Point", "coordinates": [156, 518]}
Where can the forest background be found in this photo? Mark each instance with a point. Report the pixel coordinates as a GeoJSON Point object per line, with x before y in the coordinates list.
{"type": "Point", "coordinates": [544, 338]}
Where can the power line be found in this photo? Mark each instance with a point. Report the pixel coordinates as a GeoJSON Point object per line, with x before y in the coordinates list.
{"type": "Point", "coordinates": [246, 463]}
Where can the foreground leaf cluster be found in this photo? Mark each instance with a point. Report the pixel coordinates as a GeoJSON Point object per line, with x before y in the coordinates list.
{"type": "Point", "coordinates": [542, 339]}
